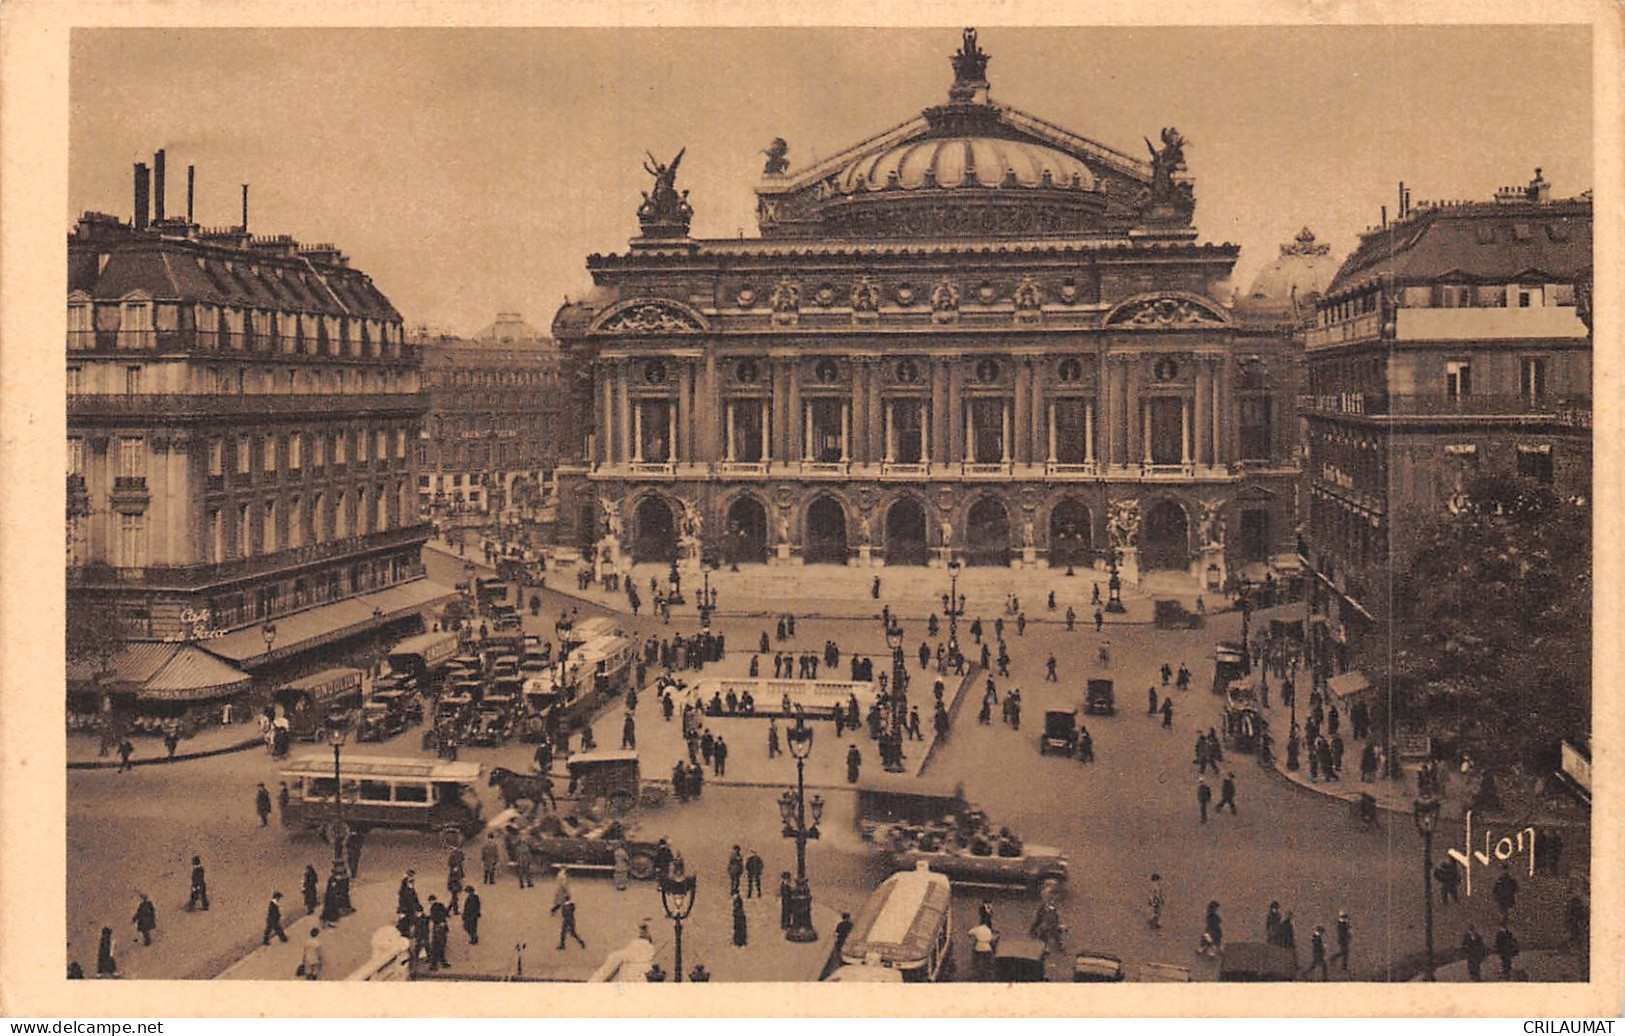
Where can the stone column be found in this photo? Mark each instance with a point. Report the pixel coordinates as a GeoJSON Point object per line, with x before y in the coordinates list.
{"type": "Point", "coordinates": [1051, 455]}
{"type": "Point", "coordinates": [627, 447]}
{"type": "Point", "coordinates": [1023, 400]}
{"type": "Point", "coordinates": [926, 418]}
{"type": "Point", "coordinates": [730, 453]}
{"type": "Point", "coordinates": [858, 437]}
{"type": "Point", "coordinates": [781, 413]}
{"type": "Point", "coordinates": [793, 413]}
{"type": "Point", "coordinates": [1004, 440]}
{"type": "Point", "coordinates": [1133, 416]}
{"type": "Point", "coordinates": [1037, 435]}
{"type": "Point", "coordinates": [1185, 431]}
{"type": "Point", "coordinates": [1145, 424]}
{"type": "Point", "coordinates": [809, 445]}
{"type": "Point", "coordinates": [1223, 450]}
{"type": "Point", "coordinates": [1088, 432]}
{"type": "Point", "coordinates": [1108, 410]}
{"type": "Point", "coordinates": [687, 424]}
{"type": "Point", "coordinates": [607, 417]}
{"type": "Point", "coordinates": [846, 431]}
{"type": "Point", "coordinates": [637, 432]}
{"type": "Point", "coordinates": [939, 409]}
{"type": "Point", "coordinates": [1203, 424]}
{"type": "Point", "coordinates": [871, 413]}
{"type": "Point", "coordinates": [765, 406]}
{"type": "Point", "coordinates": [709, 403]}
{"type": "Point", "coordinates": [968, 454]}
{"type": "Point", "coordinates": [891, 434]}
{"type": "Point", "coordinates": [956, 418]}
{"type": "Point", "coordinates": [671, 431]}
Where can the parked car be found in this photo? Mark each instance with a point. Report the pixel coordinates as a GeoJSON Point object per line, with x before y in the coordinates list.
{"type": "Point", "coordinates": [1100, 700]}
{"type": "Point", "coordinates": [1060, 733]}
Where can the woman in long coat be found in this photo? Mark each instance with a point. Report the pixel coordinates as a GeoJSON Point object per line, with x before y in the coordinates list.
{"type": "Point", "coordinates": [740, 925]}
{"type": "Point", "coordinates": [332, 902]}
{"type": "Point", "coordinates": [312, 896]}
{"type": "Point", "coordinates": [106, 966]}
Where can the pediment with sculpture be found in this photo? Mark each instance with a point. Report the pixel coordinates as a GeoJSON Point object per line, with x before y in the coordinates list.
{"type": "Point", "coordinates": [650, 316]}
{"type": "Point", "coordinates": [1166, 310]}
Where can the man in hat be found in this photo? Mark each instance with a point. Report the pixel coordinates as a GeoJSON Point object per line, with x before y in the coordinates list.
{"type": "Point", "coordinates": [1317, 952]}
{"type": "Point", "coordinates": [490, 858]}
{"type": "Point", "coordinates": [407, 903]}
{"type": "Point", "coordinates": [262, 803]}
{"type": "Point", "coordinates": [753, 875]}
{"type": "Point", "coordinates": [1345, 938]}
{"type": "Point", "coordinates": [1156, 901]}
{"type": "Point", "coordinates": [273, 920]}
{"type": "Point", "coordinates": [200, 886]}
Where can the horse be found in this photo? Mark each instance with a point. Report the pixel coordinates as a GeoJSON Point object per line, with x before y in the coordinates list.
{"type": "Point", "coordinates": [513, 787]}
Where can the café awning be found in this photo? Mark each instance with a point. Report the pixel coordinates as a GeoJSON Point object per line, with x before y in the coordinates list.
{"type": "Point", "coordinates": [326, 623]}
{"type": "Point", "coordinates": [160, 671]}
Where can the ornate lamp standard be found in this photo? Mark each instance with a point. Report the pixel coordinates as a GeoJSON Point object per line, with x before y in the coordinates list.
{"type": "Point", "coordinates": [899, 676]}
{"type": "Point", "coordinates": [707, 600]}
{"type": "Point", "coordinates": [677, 900]}
{"type": "Point", "coordinates": [954, 606]}
{"type": "Point", "coordinates": [268, 631]}
{"type": "Point", "coordinates": [1114, 585]}
{"type": "Point", "coordinates": [674, 583]}
{"type": "Point", "coordinates": [1426, 814]}
{"type": "Point", "coordinates": [793, 810]}
{"type": "Point", "coordinates": [339, 833]}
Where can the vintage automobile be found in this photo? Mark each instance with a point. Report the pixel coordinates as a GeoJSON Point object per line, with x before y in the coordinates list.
{"type": "Point", "coordinates": [1090, 966]}
{"type": "Point", "coordinates": [910, 822]}
{"type": "Point", "coordinates": [323, 701]}
{"type": "Point", "coordinates": [385, 792]}
{"type": "Point", "coordinates": [1173, 615]}
{"type": "Point", "coordinates": [1100, 699]}
{"type": "Point", "coordinates": [1060, 733]}
{"type": "Point", "coordinates": [1019, 960]}
{"type": "Point", "coordinates": [1243, 723]}
{"type": "Point", "coordinates": [378, 721]}
{"type": "Point", "coordinates": [593, 849]}
{"type": "Point", "coordinates": [906, 928]}
{"type": "Point", "coordinates": [487, 728]}
{"type": "Point", "coordinates": [408, 703]}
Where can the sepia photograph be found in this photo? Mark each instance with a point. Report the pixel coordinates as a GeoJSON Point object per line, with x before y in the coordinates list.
{"type": "Point", "coordinates": [998, 503]}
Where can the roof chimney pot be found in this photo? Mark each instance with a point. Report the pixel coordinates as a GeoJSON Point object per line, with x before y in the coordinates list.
{"type": "Point", "coordinates": [143, 188]}
{"type": "Point", "coordinates": [158, 186]}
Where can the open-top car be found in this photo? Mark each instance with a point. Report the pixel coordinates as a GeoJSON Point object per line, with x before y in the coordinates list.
{"type": "Point", "coordinates": [589, 845]}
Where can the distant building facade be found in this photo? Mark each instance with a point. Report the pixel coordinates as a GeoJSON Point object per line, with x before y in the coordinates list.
{"type": "Point", "coordinates": [1453, 343]}
{"type": "Point", "coordinates": [976, 336]}
{"type": "Point", "coordinates": [242, 413]}
{"type": "Point", "coordinates": [490, 435]}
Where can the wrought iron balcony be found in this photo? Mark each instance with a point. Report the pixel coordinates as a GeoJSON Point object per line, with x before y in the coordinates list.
{"type": "Point", "coordinates": [174, 407]}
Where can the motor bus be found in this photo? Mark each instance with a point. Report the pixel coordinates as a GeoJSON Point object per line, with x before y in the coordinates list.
{"type": "Point", "coordinates": [905, 926]}
{"type": "Point", "coordinates": [381, 791]}
{"type": "Point", "coordinates": [423, 657]}
{"type": "Point", "coordinates": [313, 703]}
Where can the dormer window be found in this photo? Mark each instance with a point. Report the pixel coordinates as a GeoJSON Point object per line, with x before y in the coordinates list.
{"type": "Point", "coordinates": [81, 330]}
{"type": "Point", "coordinates": [135, 324]}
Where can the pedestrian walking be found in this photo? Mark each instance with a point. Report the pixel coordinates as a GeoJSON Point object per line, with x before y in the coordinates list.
{"type": "Point", "coordinates": [1345, 938]}
{"type": "Point", "coordinates": [273, 920]}
{"type": "Point", "coordinates": [1317, 952]}
{"type": "Point", "coordinates": [741, 932]}
{"type": "Point", "coordinates": [1156, 901]}
{"type": "Point", "coordinates": [1448, 875]}
{"type": "Point", "coordinates": [1227, 794]}
{"type": "Point", "coordinates": [524, 859]}
{"type": "Point", "coordinates": [1100, 620]}
{"type": "Point", "coordinates": [1167, 673]}
{"type": "Point", "coordinates": [1201, 755]}
{"type": "Point", "coordinates": [773, 749]}
{"type": "Point", "coordinates": [736, 870]}
{"type": "Point", "coordinates": [1071, 620]}
{"type": "Point", "coordinates": [566, 909]}
{"type": "Point", "coordinates": [1213, 931]}
{"type": "Point", "coordinates": [1168, 714]}
{"type": "Point", "coordinates": [439, 934]}
{"type": "Point", "coordinates": [407, 903]}
{"type": "Point", "coordinates": [312, 895]}
{"type": "Point", "coordinates": [262, 803]}
{"type": "Point", "coordinates": [1151, 701]}
{"type": "Point", "coordinates": [983, 940]}
{"type": "Point", "coordinates": [1272, 924]}
{"type": "Point", "coordinates": [1049, 670]}
{"type": "Point", "coordinates": [310, 962]}
{"type": "Point", "coordinates": [914, 724]}
{"type": "Point", "coordinates": [753, 875]}
{"type": "Point", "coordinates": [1475, 952]}
{"type": "Point", "coordinates": [719, 753]}
{"type": "Point", "coordinates": [786, 897]}
{"type": "Point", "coordinates": [1506, 947]}
{"type": "Point", "coordinates": [145, 919]}
{"type": "Point", "coordinates": [629, 732]}
{"type": "Point", "coordinates": [125, 751]}
{"type": "Point", "coordinates": [332, 901]}
{"type": "Point", "coordinates": [490, 858]}
{"type": "Point", "coordinates": [1204, 795]}
{"type": "Point", "coordinates": [1505, 893]}
{"type": "Point", "coordinates": [854, 762]}
{"type": "Point", "coordinates": [473, 910]}
{"type": "Point", "coordinates": [200, 887]}
{"type": "Point", "coordinates": [454, 876]}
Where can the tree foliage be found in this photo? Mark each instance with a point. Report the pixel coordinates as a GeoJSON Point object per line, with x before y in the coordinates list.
{"type": "Point", "coordinates": [96, 632]}
{"type": "Point", "coordinates": [1491, 639]}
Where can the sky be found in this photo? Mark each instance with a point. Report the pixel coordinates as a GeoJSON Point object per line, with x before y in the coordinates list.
{"type": "Point", "coordinates": [469, 171]}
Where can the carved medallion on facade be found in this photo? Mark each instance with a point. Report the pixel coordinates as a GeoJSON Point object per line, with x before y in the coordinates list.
{"type": "Point", "coordinates": [785, 301]}
{"type": "Point", "coordinates": [745, 297]}
{"type": "Point", "coordinates": [945, 302]}
{"type": "Point", "coordinates": [906, 294]}
{"type": "Point", "coordinates": [1027, 298]}
{"type": "Point", "coordinates": [865, 296]}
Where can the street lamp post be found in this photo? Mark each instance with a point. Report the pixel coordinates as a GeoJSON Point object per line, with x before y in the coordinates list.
{"type": "Point", "coordinates": [707, 602]}
{"type": "Point", "coordinates": [1114, 587]}
{"type": "Point", "coordinates": [335, 737]}
{"type": "Point", "coordinates": [677, 899]}
{"type": "Point", "coordinates": [268, 631]}
{"type": "Point", "coordinates": [793, 810]}
{"type": "Point", "coordinates": [954, 605]}
{"type": "Point", "coordinates": [1426, 814]}
{"type": "Point", "coordinates": [893, 761]}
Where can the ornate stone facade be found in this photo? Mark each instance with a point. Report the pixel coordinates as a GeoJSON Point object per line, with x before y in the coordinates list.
{"type": "Point", "coordinates": [999, 390]}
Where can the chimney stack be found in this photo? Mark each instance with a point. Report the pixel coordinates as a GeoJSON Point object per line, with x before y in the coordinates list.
{"type": "Point", "coordinates": [1385, 215]}
{"type": "Point", "coordinates": [158, 186]}
{"type": "Point", "coordinates": [191, 182]}
{"type": "Point", "coordinates": [1400, 211]}
{"type": "Point", "coordinates": [244, 227]}
{"type": "Point", "coordinates": [142, 187]}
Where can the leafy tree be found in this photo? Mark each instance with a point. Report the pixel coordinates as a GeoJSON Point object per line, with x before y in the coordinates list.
{"type": "Point", "coordinates": [1491, 637]}
{"type": "Point", "coordinates": [96, 632]}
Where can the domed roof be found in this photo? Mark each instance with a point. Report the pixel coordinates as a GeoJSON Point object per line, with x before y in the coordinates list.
{"type": "Point", "coordinates": [962, 161]}
{"type": "Point", "coordinates": [1282, 290]}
